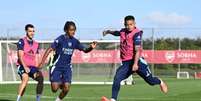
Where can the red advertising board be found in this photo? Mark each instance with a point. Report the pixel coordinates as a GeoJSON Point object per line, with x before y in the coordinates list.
{"type": "Point", "coordinates": [113, 56]}
{"type": "Point", "coordinates": [172, 57]}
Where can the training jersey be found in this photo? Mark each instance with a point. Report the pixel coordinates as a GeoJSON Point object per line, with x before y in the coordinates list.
{"type": "Point", "coordinates": [128, 41]}
{"type": "Point", "coordinates": [30, 48]}
{"type": "Point", "coordinates": [64, 47]}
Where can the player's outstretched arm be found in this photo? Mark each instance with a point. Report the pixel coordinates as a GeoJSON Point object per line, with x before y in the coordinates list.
{"type": "Point", "coordinates": [47, 52]}
{"type": "Point", "coordinates": [115, 33]}
{"type": "Point", "coordinates": [91, 47]}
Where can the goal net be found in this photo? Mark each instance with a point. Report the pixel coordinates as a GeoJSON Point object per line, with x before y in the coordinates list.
{"type": "Point", "coordinates": [183, 75]}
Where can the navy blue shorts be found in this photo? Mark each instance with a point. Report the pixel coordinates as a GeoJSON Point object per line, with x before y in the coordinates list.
{"type": "Point", "coordinates": [61, 74]}
{"type": "Point", "coordinates": [31, 74]}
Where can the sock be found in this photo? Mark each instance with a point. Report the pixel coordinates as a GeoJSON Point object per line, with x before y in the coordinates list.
{"type": "Point", "coordinates": [58, 99]}
{"type": "Point", "coordinates": [113, 99]}
{"type": "Point", "coordinates": [38, 97]}
{"type": "Point", "coordinates": [18, 98]}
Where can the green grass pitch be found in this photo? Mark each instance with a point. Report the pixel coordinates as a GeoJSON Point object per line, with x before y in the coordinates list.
{"type": "Point", "coordinates": [179, 90]}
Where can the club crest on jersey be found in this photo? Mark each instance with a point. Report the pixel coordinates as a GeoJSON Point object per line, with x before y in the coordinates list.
{"type": "Point", "coordinates": [138, 37]}
{"type": "Point", "coordinates": [70, 44]}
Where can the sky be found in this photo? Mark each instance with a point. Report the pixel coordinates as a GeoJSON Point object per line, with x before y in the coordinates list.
{"type": "Point", "coordinates": [93, 16]}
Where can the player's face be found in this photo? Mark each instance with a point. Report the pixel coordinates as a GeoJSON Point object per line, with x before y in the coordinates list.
{"type": "Point", "coordinates": [130, 25]}
{"type": "Point", "coordinates": [71, 31]}
{"type": "Point", "coordinates": [30, 32]}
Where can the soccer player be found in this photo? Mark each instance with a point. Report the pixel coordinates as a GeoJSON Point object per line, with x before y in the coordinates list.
{"type": "Point", "coordinates": [28, 62]}
{"type": "Point", "coordinates": [130, 49]}
{"type": "Point", "coordinates": [61, 71]}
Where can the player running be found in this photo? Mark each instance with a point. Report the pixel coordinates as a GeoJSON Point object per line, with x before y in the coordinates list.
{"type": "Point", "coordinates": [61, 71]}
{"type": "Point", "coordinates": [130, 49]}
{"type": "Point", "coordinates": [27, 62]}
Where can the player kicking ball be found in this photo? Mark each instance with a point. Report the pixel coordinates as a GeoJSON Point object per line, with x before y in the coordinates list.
{"type": "Point", "coordinates": [28, 63]}
{"type": "Point", "coordinates": [130, 50]}
{"type": "Point", "coordinates": [61, 71]}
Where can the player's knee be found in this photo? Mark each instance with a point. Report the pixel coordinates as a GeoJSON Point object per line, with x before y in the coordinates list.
{"type": "Point", "coordinates": [66, 89]}
{"type": "Point", "coordinates": [116, 83]}
{"type": "Point", "coordinates": [25, 78]}
{"type": "Point", "coordinates": [117, 79]}
{"type": "Point", "coordinates": [54, 90]}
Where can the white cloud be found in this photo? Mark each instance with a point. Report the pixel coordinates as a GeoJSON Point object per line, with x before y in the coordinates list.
{"type": "Point", "coordinates": [168, 19]}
